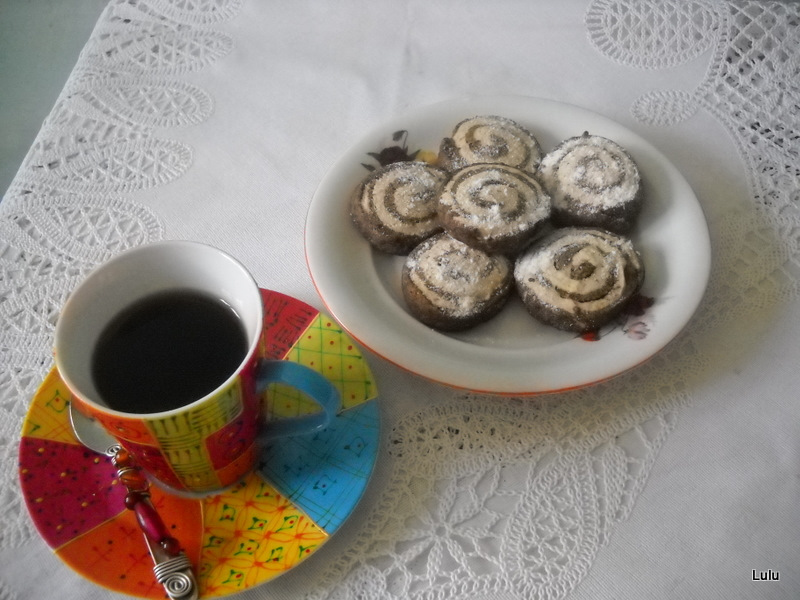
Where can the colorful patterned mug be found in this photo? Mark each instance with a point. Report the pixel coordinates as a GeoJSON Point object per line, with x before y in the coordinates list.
{"type": "Point", "coordinates": [210, 441]}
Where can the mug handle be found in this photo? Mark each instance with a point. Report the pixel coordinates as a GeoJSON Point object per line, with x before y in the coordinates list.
{"type": "Point", "coordinates": [311, 383]}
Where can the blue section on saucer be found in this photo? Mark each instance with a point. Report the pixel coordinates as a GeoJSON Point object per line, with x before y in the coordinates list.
{"type": "Point", "coordinates": [324, 474]}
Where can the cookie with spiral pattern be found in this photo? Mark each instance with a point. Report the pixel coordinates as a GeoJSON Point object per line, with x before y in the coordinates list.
{"type": "Point", "coordinates": [490, 139]}
{"type": "Point", "coordinates": [578, 279]}
{"type": "Point", "coordinates": [593, 182]}
{"type": "Point", "coordinates": [494, 207]}
{"type": "Point", "coordinates": [450, 286]}
{"type": "Point", "coordinates": [395, 206]}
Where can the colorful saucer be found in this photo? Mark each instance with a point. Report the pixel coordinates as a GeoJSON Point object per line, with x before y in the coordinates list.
{"type": "Point", "coordinates": [301, 493]}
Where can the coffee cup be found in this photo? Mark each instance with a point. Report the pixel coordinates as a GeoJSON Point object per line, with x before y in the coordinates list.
{"type": "Point", "coordinates": [162, 347]}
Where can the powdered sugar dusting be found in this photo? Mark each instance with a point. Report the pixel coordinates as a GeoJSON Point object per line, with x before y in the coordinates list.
{"type": "Point", "coordinates": [495, 200]}
{"type": "Point", "coordinates": [404, 196]}
{"type": "Point", "coordinates": [454, 277]}
{"type": "Point", "coordinates": [598, 256]}
{"type": "Point", "coordinates": [493, 139]}
{"type": "Point", "coordinates": [592, 171]}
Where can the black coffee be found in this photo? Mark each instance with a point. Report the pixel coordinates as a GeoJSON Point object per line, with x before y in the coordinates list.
{"type": "Point", "coordinates": [167, 350]}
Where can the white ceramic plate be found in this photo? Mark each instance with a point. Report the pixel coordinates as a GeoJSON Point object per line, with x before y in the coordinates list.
{"type": "Point", "coordinates": [512, 353]}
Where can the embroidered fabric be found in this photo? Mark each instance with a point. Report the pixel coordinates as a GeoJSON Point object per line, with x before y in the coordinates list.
{"type": "Point", "coordinates": [476, 496]}
{"type": "Point", "coordinates": [492, 497]}
{"type": "Point", "coordinates": [69, 207]}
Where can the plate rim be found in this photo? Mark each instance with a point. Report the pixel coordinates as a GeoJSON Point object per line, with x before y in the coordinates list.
{"type": "Point", "coordinates": [656, 163]}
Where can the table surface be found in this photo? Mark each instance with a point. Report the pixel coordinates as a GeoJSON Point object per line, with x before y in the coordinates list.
{"type": "Point", "coordinates": [680, 478]}
{"type": "Point", "coordinates": [34, 73]}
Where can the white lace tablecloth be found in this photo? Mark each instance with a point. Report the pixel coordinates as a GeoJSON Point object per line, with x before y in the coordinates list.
{"type": "Point", "coordinates": [214, 120]}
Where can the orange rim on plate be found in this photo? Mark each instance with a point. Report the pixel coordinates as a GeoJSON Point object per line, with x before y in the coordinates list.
{"type": "Point", "coordinates": [512, 354]}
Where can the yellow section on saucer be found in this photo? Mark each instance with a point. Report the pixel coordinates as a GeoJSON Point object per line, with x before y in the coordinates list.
{"type": "Point", "coordinates": [326, 348]}
{"type": "Point", "coordinates": [48, 417]}
{"type": "Point", "coordinates": [251, 534]}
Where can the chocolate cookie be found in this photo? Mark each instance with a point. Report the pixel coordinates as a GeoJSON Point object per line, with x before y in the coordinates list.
{"type": "Point", "coordinates": [578, 279]}
{"type": "Point", "coordinates": [494, 207]}
{"type": "Point", "coordinates": [395, 207]}
{"type": "Point", "coordinates": [490, 139]}
{"type": "Point", "coordinates": [450, 286]}
{"type": "Point", "coordinates": [593, 182]}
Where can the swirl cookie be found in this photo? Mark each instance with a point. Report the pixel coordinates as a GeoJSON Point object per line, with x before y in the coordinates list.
{"type": "Point", "coordinates": [449, 286]}
{"type": "Point", "coordinates": [593, 182]}
{"type": "Point", "coordinates": [578, 279]}
{"type": "Point", "coordinates": [395, 207]}
{"type": "Point", "coordinates": [490, 139]}
{"type": "Point", "coordinates": [493, 207]}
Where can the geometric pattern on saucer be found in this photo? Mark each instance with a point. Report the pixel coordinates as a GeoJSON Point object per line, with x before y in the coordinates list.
{"type": "Point", "coordinates": [278, 516]}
